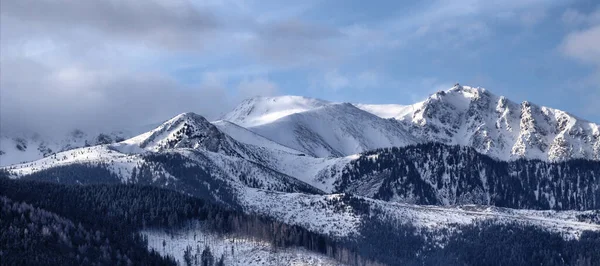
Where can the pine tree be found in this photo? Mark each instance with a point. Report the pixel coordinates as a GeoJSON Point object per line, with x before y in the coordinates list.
{"type": "Point", "coordinates": [207, 258]}
{"type": "Point", "coordinates": [187, 256]}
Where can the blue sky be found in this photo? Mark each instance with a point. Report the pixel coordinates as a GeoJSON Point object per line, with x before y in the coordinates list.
{"type": "Point", "coordinates": [205, 56]}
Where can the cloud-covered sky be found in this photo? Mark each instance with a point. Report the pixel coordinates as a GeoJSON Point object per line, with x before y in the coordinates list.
{"type": "Point", "coordinates": [113, 63]}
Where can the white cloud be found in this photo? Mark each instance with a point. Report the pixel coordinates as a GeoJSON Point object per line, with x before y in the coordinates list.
{"type": "Point", "coordinates": [370, 37]}
{"type": "Point", "coordinates": [114, 63]}
{"type": "Point", "coordinates": [573, 17]}
{"type": "Point", "coordinates": [426, 86]}
{"type": "Point", "coordinates": [368, 79]}
{"type": "Point", "coordinates": [257, 87]}
{"type": "Point", "coordinates": [335, 81]}
{"type": "Point", "coordinates": [584, 45]}
{"type": "Point", "coordinates": [41, 98]}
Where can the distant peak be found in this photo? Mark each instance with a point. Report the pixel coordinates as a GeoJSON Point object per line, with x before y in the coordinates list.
{"type": "Point", "coordinates": [460, 91]}
{"type": "Point", "coordinates": [188, 116]}
{"type": "Point", "coordinates": [461, 88]}
{"type": "Point", "coordinates": [260, 110]}
{"type": "Point", "coordinates": [186, 130]}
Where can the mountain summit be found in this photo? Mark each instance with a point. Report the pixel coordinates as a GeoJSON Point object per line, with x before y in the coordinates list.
{"type": "Point", "coordinates": [263, 110]}
{"type": "Point", "coordinates": [461, 115]}
{"type": "Point", "coordinates": [319, 128]}
{"type": "Point", "coordinates": [501, 128]}
{"type": "Point", "coordinates": [186, 130]}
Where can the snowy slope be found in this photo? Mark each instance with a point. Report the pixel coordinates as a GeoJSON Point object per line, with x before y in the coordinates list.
{"type": "Point", "coordinates": [318, 172]}
{"type": "Point", "coordinates": [238, 251]}
{"type": "Point", "coordinates": [190, 142]}
{"type": "Point", "coordinates": [311, 170]}
{"type": "Point", "coordinates": [263, 110]}
{"type": "Point", "coordinates": [568, 223]}
{"type": "Point", "coordinates": [192, 131]}
{"type": "Point", "coordinates": [246, 136]}
{"type": "Point", "coordinates": [385, 110]}
{"type": "Point", "coordinates": [336, 215]}
{"type": "Point", "coordinates": [249, 173]}
{"type": "Point", "coordinates": [334, 130]}
{"type": "Point", "coordinates": [237, 172]}
{"type": "Point", "coordinates": [118, 163]}
{"type": "Point", "coordinates": [186, 130]}
{"type": "Point", "coordinates": [25, 148]}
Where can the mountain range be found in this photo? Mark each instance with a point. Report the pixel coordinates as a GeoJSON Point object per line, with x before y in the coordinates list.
{"type": "Point", "coordinates": [466, 116]}
{"type": "Point", "coordinates": [460, 157]}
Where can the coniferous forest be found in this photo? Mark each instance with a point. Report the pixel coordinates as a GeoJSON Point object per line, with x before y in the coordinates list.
{"type": "Point", "coordinates": [439, 174]}
{"type": "Point", "coordinates": [98, 224]}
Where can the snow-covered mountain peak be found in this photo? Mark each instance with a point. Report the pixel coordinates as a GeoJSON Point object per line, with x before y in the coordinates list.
{"type": "Point", "coordinates": [335, 129]}
{"type": "Point", "coordinates": [262, 110]}
{"type": "Point", "coordinates": [459, 97]}
{"type": "Point", "coordinates": [463, 115]}
{"type": "Point", "coordinates": [187, 116]}
{"type": "Point", "coordinates": [467, 91]}
{"type": "Point", "coordinates": [186, 130]}
{"type": "Point", "coordinates": [499, 127]}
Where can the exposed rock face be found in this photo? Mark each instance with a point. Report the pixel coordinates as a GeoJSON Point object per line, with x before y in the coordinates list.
{"type": "Point", "coordinates": [505, 130]}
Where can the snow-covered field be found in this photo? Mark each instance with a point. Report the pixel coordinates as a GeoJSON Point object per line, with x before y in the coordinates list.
{"type": "Point", "coordinates": [317, 213]}
{"type": "Point", "coordinates": [565, 223]}
{"type": "Point", "coordinates": [235, 251]}
{"type": "Point", "coordinates": [328, 214]}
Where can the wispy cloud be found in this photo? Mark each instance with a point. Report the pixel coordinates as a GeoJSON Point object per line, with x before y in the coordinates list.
{"type": "Point", "coordinates": [42, 99]}
{"type": "Point", "coordinates": [582, 45]}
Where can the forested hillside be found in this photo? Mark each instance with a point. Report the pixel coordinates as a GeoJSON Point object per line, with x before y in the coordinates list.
{"type": "Point", "coordinates": [33, 236]}
{"type": "Point", "coordinates": [113, 215]}
{"type": "Point", "coordinates": [448, 175]}
{"type": "Point", "coordinates": [121, 211]}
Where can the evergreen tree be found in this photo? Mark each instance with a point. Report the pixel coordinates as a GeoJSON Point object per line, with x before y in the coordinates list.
{"type": "Point", "coordinates": [207, 258]}
{"type": "Point", "coordinates": [187, 256]}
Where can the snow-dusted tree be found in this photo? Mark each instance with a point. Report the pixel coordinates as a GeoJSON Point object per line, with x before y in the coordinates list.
{"type": "Point", "coordinates": [207, 257]}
